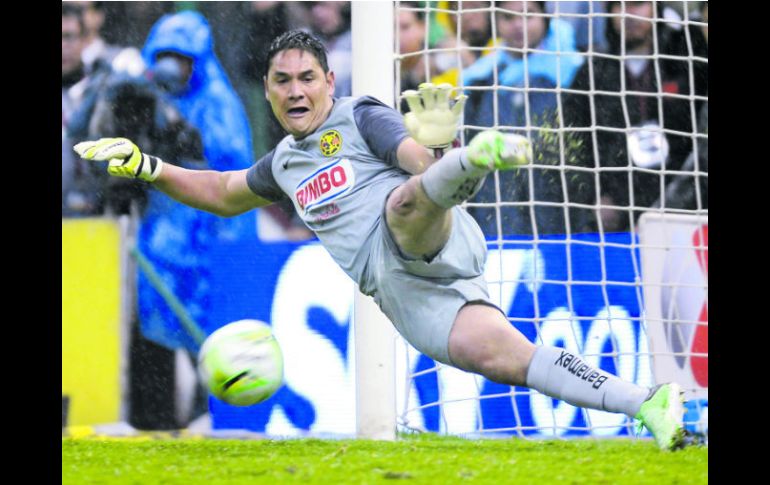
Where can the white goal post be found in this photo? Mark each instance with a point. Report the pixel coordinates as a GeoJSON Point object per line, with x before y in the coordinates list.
{"type": "Point", "coordinates": [632, 301]}
{"type": "Point", "coordinates": [372, 29]}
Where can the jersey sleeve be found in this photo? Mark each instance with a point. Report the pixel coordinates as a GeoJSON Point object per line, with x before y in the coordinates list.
{"type": "Point", "coordinates": [381, 127]}
{"type": "Point", "coordinates": [261, 181]}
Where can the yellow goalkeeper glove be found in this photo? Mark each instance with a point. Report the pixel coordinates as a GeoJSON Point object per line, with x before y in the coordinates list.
{"type": "Point", "coordinates": [125, 159]}
{"type": "Point", "coordinates": [431, 121]}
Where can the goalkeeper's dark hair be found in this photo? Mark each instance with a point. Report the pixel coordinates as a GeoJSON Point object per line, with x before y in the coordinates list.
{"type": "Point", "coordinates": [297, 39]}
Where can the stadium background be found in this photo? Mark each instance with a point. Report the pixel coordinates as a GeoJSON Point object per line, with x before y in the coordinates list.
{"type": "Point", "coordinates": [250, 288]}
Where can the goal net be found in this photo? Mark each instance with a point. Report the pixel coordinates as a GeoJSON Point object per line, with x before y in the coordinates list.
{"type": "Point", "coordinates": [601, 247]}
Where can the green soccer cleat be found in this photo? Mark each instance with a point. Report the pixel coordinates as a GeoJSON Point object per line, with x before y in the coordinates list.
{"type": "Point", "coordinates": [662, 414]}
{"type": "Point", "coordinates": [493, 150]}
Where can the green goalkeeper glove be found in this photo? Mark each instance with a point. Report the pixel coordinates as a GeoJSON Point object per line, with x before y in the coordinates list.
{"type": "Point", "coordinates": [493, 150]}
{"type": "Point", "coordinates": [430, 121]}
{"type": "Point", "coordinates": [125, 159]}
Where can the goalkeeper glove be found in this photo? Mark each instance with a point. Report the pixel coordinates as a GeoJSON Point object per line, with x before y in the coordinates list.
{"type": "Point", "coordinates": [430, 121]}
{"type": "Point", "coordinates": [125, 159]}
{"type": "Point", "coordinates": [493, 150]}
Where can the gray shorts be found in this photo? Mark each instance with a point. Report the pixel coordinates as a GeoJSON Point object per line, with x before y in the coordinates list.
{"type": "Point", "coordinates": [422, 299]}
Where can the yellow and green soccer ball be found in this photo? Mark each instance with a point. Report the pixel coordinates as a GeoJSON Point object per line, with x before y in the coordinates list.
{"type": "Point", "coordinates": [241, 363]}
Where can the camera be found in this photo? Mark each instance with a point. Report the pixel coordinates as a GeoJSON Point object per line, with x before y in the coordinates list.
{"type": "Point", "coordinates": [122, 105]}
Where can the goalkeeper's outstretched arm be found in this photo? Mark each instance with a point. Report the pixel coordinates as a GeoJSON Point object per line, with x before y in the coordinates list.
{"type": "Point", "coordinates": [223, 193]}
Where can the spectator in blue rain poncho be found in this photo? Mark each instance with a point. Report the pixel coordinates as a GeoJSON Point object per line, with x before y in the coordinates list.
{"type": "Point", "coordinates": [516, 69]}
{"type": "Point", "coordinates": [175, 238]}
{"type": "Point", "coordinates": [539, 54]}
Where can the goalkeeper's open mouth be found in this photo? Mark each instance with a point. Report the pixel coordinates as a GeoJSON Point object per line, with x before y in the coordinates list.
{"type": "Point", "coordinates": [297, 112]}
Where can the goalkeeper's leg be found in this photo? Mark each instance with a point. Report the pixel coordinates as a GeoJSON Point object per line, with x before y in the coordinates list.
{"type": "Point", "coordinates": [417, 212]}
{"type": "Point", "coordinates": [483, 341]}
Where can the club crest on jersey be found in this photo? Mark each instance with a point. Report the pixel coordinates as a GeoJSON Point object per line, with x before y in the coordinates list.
{"type": "Point", "coordinates": [325, 184]}
{"type": "Point", "coordinates": [331, 142]}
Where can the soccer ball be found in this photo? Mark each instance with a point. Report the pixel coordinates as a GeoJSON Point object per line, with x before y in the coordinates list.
{"type": "Point", "coordinates": [241, 363]}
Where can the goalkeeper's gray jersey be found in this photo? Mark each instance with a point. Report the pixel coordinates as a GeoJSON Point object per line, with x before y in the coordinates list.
{"type": "Point", "coordinates": [338, 177]}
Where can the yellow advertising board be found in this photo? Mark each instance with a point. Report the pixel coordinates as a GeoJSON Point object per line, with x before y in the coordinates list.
{"type": "Point", "coordinates": [91, 333]}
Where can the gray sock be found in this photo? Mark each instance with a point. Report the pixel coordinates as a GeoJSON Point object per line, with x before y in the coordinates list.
{"type": "Point", "coordinates": [563, 375]}
{"type": "Point", "coordinates": [452, 179]}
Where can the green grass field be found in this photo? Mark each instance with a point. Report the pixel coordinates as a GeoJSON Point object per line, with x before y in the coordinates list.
{"type": "Point", "coordinates": [424, 459]}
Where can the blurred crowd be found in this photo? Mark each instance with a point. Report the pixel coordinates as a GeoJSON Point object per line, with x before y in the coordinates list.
{"type": "Point", "coordinates": [526, 66]}
{"type": "Point", "coordinates": [602, 159]}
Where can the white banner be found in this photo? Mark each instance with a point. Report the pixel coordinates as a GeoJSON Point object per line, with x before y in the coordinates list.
{"type": "Point", "coordinates": [674, 254]}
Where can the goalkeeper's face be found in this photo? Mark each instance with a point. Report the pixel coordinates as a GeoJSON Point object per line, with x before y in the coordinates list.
{"type": "Point", "coordinates": [299, 91]}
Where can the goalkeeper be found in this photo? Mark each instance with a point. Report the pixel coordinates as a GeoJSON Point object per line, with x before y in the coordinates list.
{"type": "Point", "coordinates": [360, 176]}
